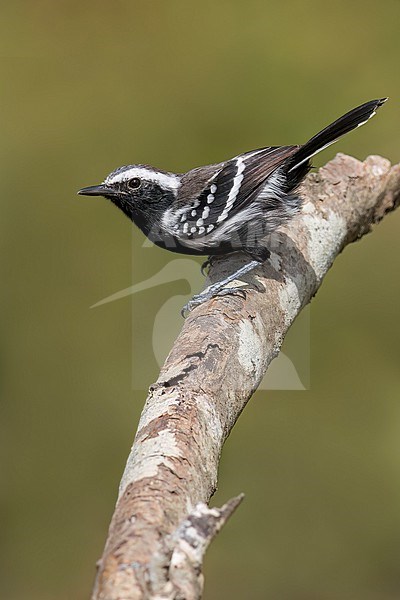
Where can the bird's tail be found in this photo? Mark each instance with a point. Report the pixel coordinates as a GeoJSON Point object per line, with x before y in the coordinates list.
{"type": "Point", "coordinates": [356, 117]}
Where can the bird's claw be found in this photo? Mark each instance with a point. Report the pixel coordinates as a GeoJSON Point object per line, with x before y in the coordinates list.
{"type": "Point", "coordinates": [205, 266]}
{"type": "Point", "coordinates": [221, 288]}
{"type": "Point", "coordinates": [196, 301]}
{"type": "Point", "coordinates": [208, 294]}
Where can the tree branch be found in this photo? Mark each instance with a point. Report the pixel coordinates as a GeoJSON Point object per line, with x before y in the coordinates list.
{"type": "Point", "coordinates": [161, 525]}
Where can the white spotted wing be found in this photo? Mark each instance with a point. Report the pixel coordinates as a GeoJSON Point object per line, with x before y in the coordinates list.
{"type": "Point", "coordinates": [210, 196]}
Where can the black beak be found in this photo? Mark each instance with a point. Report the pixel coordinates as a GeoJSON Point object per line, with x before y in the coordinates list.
{"type": "Point", "coordinates": [97, 190]}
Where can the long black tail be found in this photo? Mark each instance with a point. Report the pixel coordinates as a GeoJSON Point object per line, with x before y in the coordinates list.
{"type": "Point", "coordinates": [356, 117]}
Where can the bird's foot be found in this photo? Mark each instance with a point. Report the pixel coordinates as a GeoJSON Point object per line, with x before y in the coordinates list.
{"type": "Point", "coordinates": [220, 288]}
{"type": "Point", "coordinates": [212, 292]}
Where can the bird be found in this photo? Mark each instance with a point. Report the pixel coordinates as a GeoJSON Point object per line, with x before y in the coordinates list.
{"type": "Point", "coordinates": [228, 207]}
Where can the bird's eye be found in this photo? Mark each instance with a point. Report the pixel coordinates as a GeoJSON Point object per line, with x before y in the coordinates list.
{"type": "Point", "coordinates": [134, 183]}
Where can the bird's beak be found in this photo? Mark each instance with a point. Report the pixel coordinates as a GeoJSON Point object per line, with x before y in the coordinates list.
{"type": "Point", "coordinates": [97, 190]}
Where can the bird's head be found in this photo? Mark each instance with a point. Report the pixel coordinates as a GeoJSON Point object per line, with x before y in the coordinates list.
{"type": "Point", "coordinates": [140, 191]}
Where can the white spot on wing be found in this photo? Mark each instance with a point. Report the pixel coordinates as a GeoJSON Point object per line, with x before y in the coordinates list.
{"type": "Point", "coordinates": [206, 212]}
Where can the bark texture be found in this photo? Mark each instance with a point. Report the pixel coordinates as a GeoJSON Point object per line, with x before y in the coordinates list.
{"type": "Point", "coordinates": [161, 525]}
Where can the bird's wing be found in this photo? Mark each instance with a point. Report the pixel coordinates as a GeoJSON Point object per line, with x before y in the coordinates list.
{"type": "Point", "coordinates": [209, 195]}
{"type": "Point", "coordinates": [245, 174]}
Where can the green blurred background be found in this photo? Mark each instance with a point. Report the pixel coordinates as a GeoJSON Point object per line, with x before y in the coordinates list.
{"type": "Point", "coordinates": [88, 86]}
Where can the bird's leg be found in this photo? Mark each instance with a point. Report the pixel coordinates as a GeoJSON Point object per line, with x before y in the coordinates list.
{"type": "Point", "coordinates": [219, 288]}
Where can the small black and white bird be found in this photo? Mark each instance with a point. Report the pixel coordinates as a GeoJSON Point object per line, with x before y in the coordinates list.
{"type": "Point", "coordinates": [226, 207]}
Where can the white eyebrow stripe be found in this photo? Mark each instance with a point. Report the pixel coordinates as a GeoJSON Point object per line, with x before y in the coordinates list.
{"type": "Point", "coordinates": [166, 180]}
